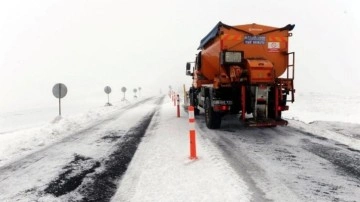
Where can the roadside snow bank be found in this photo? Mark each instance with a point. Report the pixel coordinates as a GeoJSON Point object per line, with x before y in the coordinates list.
{"type": "Point", "coordinates": [310, 106]}
{"type": "Point", "coordinates": [350, 130]}
{"type": "Point", "coordinates": [344, 133]}
{"type": "Point", "coordinates": [16, 144]}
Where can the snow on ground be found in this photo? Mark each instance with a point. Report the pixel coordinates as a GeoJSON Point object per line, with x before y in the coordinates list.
{"type": "Point", "coordinates": [162, 171]}
{"type": "Point", "coordinates": [344, 133]}
{"type": "Point", "coordinates": [20, 142]}
{"type": "Point", "coordinates": [334, 116]}
{"type": "Point", "coordinates": [18, 119]}
{"type": "Point", "coordinates": [21, 132]}
{"type": "Point", "coordinates": [350, 130]}
{"type": "Point", "coordinates": [74, 154]}
{"type": "Point", "coordinates": [309, 107]}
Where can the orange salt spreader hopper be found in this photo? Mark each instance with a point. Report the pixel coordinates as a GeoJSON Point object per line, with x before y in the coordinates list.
{"type": "Point", "coordinates": [243, 68]}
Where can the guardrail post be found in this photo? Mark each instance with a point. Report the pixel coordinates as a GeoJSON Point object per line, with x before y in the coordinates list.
{"type": "Point", "coordinates": [178, 106]}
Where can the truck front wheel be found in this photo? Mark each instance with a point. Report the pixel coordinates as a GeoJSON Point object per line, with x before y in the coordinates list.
{"type": "Point", "coordinates": [193, 101]}
{"type": "Point", "coordinates": [196, 111]}
{"type": "Point", "coordinates": [212, 119]}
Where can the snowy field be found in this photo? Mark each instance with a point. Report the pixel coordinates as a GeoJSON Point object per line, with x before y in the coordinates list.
{"type": "Point", "coordinates": [341, 113]}
{"type": "Point", "coordinates": [15, 119]}
{"type": "Point", "coordinates": [334, 116]}
{"type": "Point", "coordinates": [23, 131]}
{"type": "Point", "coordinates": [309, 107]}
{"type": "Point", "coordinates": [166, 172]}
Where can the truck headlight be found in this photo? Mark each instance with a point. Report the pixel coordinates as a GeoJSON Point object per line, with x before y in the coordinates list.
{"type": "Point", "coordinates": [231, 57]}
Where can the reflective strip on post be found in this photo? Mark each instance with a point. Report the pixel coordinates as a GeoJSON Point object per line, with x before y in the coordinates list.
{"type": "Point", "coordinates": [192, 133]}
{"type": "Point", "coordinates": [191, 114]}
{"type": "Point", "coordinates": [192, 125]}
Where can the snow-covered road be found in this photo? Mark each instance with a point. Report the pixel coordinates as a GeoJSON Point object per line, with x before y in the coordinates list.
{"type": "Point", "coordinates": [139, 152]}
{"type": "Point", "coordinates": [288, 164]}
{"type": "Point", "coordinates": [65, 170]}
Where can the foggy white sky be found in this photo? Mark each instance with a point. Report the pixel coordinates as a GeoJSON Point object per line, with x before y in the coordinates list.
{"type": "Point", "coordinates": [88, 44]}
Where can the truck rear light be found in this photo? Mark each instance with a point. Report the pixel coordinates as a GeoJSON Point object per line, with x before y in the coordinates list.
{"type": "Point", "coordinates": [221, 107]}
{"type": "Point", "coordinates": [283, 108]}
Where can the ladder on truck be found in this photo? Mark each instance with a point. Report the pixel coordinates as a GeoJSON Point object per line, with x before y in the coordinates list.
{"type": "Point", "coordinates": [287, 84]}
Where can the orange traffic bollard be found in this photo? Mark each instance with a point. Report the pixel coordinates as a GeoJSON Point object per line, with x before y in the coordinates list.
{"type": "Point", "coordinates": [192, 133]}
{"type": "Point", "coordinates": [178, 106]}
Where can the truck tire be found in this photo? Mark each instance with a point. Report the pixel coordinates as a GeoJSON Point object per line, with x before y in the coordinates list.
{"type": "Point", "coordinates": [191, 97]}
{"type": "Point", "coordinates": [212, 119]}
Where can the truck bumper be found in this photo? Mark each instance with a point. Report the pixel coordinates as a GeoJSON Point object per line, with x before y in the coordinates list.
{"type": "Point", "coordinates": [265, 123]}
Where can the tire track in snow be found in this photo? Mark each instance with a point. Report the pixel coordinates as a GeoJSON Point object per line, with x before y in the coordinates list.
{"type": "Point", "coordinates": [349, 163]}
{"type": "Point", "coordinates": [73, 176]}
{"type": "Point", "coordinates": [342, 156]}
{"type": "Point", "coordinates": [135, 179]}
{"type": "Point", "coordinates": [277, 160]}
{"type": "Point", "coordinates": [101, 184]}
{"type": "Point", "coordinates": [60, 162]}
{"type": "Point", "coordinates": [31, 158]}
{"type": "Point", "coordinates": [227, 147]}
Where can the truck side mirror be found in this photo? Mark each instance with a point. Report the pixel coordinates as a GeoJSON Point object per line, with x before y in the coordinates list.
{"type": "Point", "coordinates": [188, 66]}
{"type": "Point", "coordinates": [188, 72]}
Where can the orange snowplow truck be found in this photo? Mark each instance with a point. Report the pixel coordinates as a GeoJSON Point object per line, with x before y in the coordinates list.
{"type": "Point", "coordinates": [245, 70]}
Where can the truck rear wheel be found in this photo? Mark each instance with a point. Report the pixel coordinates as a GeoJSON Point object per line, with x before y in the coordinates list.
{"type": "Point", "coordinates": [212, 119]}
